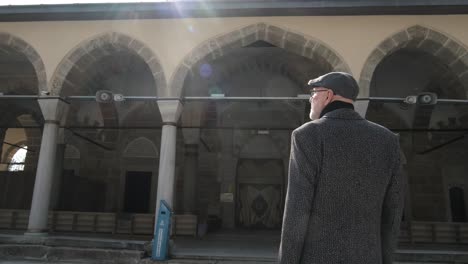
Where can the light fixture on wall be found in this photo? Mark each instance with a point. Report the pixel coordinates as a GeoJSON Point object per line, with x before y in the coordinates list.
{"type": "Point", "coordinates": [427, 98]}
{"type": "Point", "coordinates": [119, 97]}
{"type": "Point", "coordinates": [104, 96]}
{"type": "Point", "coordinates": [422, 99]}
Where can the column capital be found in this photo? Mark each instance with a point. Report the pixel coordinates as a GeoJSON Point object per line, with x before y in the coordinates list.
{"type": "Point", "coordinates": [191, 136]}
{"type": "Point", "coordinates": [361, 107]}
{"type": "Point", "coordinates": [170, 110]}
{"type": "Point", "coordinates": [53, 109]}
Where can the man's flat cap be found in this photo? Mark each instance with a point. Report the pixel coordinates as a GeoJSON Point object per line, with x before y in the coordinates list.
{"type": "Point", "coordinates": [341, 83]}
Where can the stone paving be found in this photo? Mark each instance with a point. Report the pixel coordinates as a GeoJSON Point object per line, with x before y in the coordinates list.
{"type": "Point", "coordinates": [221, 248]}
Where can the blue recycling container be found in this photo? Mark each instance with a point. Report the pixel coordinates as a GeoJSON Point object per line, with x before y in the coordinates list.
{"type": "Point", "coordinates": [161, 234]}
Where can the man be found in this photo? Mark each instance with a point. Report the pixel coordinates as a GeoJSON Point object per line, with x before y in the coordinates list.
{"type": "Point", "coordinates": [345, 190]}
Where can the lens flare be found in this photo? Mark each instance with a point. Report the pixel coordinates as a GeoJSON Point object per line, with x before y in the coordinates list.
{"type": "Point", "coordinates": [205, 70]}
{"type": "Point", "coordinates": [191, 29]}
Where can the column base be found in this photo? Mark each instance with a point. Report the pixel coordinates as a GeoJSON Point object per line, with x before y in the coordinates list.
{"type": "Point", "coordinates": [33, 233]}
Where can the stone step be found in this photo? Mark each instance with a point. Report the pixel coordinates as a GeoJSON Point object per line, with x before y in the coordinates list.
{"type": "Point", "coordinates": [45, 254]}
{"type": "Point", "coordinates": [74, 241]}
{"type": "Point", "coordinates": [68, 254]}
{"type": "Point", "coordinates": [212, 250]}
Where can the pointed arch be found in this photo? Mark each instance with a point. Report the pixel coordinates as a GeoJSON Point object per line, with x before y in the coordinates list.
{"type": "Point", "coordinates": [219, 46]}
{"type": "Point", "coordinates": [445, 48]}
{"type": "Point", "coordinates": [21, 46]}
{"type": "Point", "coordinates": [97, 47]}
{"type": "Point", "coordinates": [260, 146]}
{"type": "Point", "coordinates": [141, 148]}
{"type": "Point", "coordinates": [72, 152]}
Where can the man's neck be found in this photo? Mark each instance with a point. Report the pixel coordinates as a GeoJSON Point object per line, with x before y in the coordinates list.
{"type": "Point", "coordinates": [336, 105]}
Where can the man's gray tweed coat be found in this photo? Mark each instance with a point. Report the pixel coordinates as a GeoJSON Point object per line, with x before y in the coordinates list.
{"type": "Point", "coordinates": [345, 192]}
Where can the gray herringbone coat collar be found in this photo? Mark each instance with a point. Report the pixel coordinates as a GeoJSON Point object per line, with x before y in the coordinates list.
{"type": "Point", "coordinates": [343, 113]}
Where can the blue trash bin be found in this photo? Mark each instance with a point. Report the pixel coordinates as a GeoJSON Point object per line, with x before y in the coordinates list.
{"type": "Point", "coordinates": [161, 235]}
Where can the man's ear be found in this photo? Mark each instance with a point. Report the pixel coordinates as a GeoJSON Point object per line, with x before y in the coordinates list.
{"type": "Point", "coordinates": [329, 97]}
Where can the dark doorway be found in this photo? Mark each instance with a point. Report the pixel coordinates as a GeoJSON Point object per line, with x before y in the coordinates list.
{"type": "Point", "coordinates": [81, 194]}
{"type": "Point", "coordinates": [259, 197]}
{"type": "Point", "coordinates": [457, 204]}
{"type": "Point", "coordinates": [137, 191]}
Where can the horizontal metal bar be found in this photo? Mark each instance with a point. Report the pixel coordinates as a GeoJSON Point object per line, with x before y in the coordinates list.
{"type": "Point", "coordinates": [31, 97]}
{"type": "Point", "coordinates": [383, 99]}
{"type": "Point", "coordinates": [214, 98]}
{"type": "Point", "coordinates": [428, 130]}
{"type": "Point", "coordinates": [189, 98]}
{"type": "Point", "coordinates": [401, 100]}
{"type": "Point", "coordinates": [25, 127]}
{"type": "Point", "coordinates": [25, 97]}
{"type": "Point", "coordinates": [456, 101]}
{"type": "Point", "coordinates": [222, 98]}
{"type": "Point", "coordinates": [257, 128]}
{"type": "Point", "coordinates": [126, 98]}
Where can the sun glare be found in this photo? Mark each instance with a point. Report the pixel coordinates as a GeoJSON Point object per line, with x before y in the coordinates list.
{"type": "Point", "coordinates": [53, 2]}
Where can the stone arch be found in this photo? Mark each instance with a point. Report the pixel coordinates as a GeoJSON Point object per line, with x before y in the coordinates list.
{"type": "Point", "coordinates": [93, 49]}
{"type": "Point", "coordinates": [72, 159]}
{"type": "Point", "coordinates": [31, 54]}
{"type": "Point", "coordinates": [12, 150]}
{"type": "Point", "coordinates": [260, 146]}
{"type": "Point", "coordinates": [219, 46]}
{"type": "Point", "coordinates": [140, 147]}
{"type": "Point", "coordinates": [447, 49]}
{"type": "Point", "coordinates": [283, 113]}
{"type": "Point", "coordinates": [72, 152]}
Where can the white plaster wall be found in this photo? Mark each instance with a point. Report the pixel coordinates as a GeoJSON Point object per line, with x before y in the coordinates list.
{"type": "Point", "coordinates": [352, 37]}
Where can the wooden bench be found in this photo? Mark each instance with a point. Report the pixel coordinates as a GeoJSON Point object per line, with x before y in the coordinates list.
{"type": "Point", "coordinates": [184, 225]}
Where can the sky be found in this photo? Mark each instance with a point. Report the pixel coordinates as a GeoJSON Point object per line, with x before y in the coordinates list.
{"type": "Point", "coordinates": [51, 2]}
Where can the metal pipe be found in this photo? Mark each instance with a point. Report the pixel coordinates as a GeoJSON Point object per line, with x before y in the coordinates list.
{"type": "Point", "coordinates": [213, 98]}
{"type": "Point", "coordinates": [90, 140]}
{"type": "Point", "coordinates": [443, 144]}
{"type": "Point", "coordinates": [410, 130]}
{"type": "Point", "coordinates": [24, 97]}
{"type": "Point", "coordinates": [17, 146]}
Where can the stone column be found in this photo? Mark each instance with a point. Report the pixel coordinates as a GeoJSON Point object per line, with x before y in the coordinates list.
{"type": "Point", "coordinates": [192, 137]}
{"type": "Point", "coordinates": [53, 111]}
{"type": "Point", "coordinates": [58, 170]}
{"type": "Point", "coordinates": [2, 139]}
{"type": "Point", "coordinates": [361, 107]}
{"type": "Point", "coordinates": [170, 113]}
{"type": "Point", "coordinates": [408, 209]}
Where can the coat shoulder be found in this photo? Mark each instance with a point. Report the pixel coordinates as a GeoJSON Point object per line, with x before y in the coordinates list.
{"type": "Point", "coordinates": [383, 130]}
{"type": "Point", "coordinates": [308, 128]}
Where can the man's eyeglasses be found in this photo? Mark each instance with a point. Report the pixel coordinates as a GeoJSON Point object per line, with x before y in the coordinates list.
{"type": "Point", "coordinates": [312, 92]}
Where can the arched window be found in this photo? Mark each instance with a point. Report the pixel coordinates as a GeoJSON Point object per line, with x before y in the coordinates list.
{"type": "Point", "coordinates": [457, 204]}
{"type": "Point", "coordinates": [17, 161]}
{"type": "Point", "coordinates": [140, 148]}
